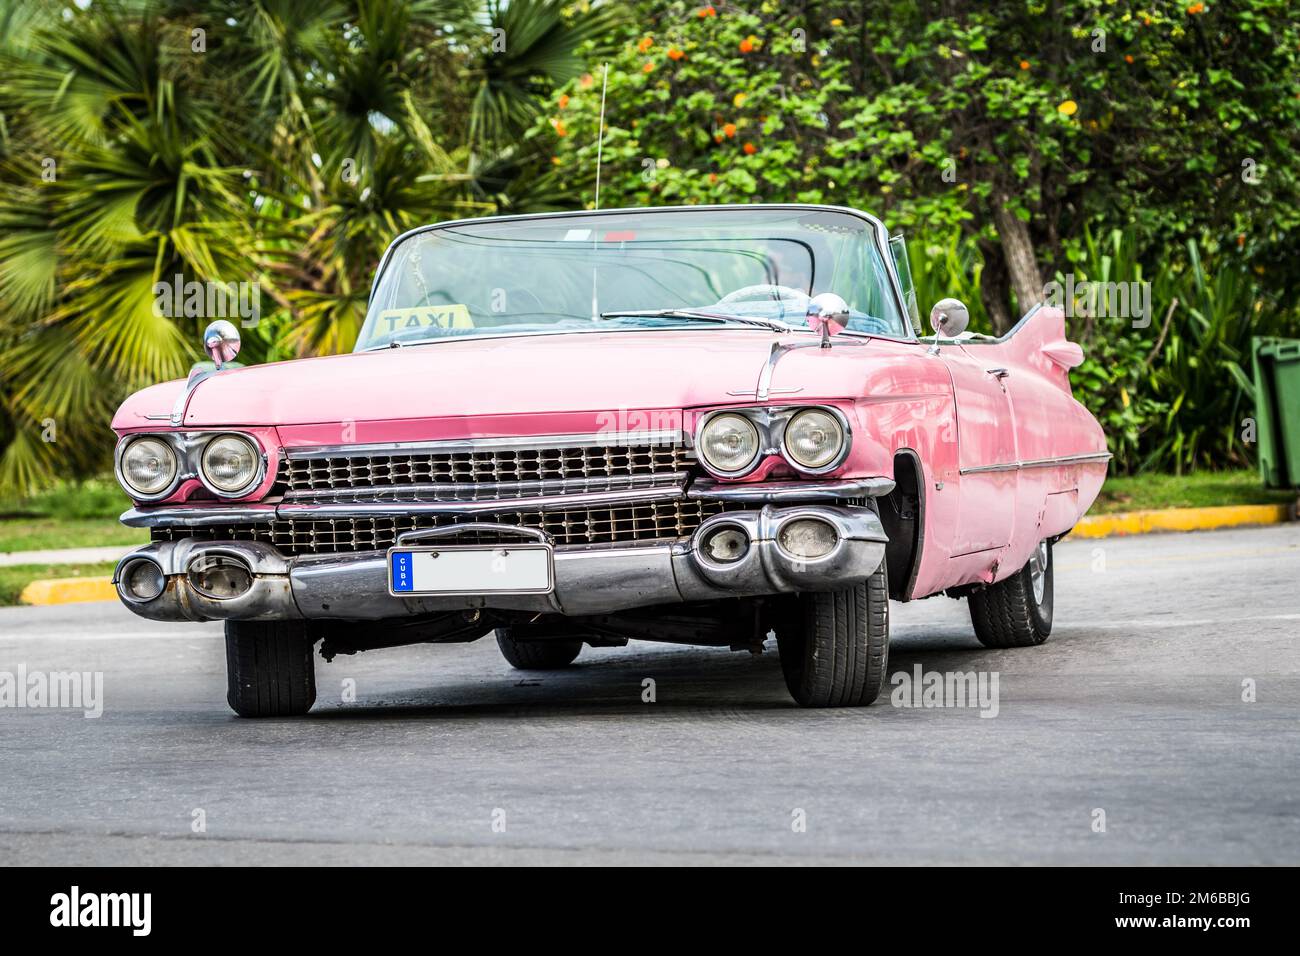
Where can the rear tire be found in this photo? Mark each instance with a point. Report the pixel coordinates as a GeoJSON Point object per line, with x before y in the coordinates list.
{"type": "Point", "coordinates": [835, 647]}
{"type": "Point", "coordinates": [536, 655]}
{"type": "Point", "coordinates": [1016, 612]}
{"type": "Point", "coordinates": [269, 668]}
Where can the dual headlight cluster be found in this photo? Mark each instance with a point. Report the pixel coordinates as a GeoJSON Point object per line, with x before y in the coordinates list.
{"type": "Point", "coordinates": [814, 440]}
{"type": "Point", "coordinates": [151, 466]}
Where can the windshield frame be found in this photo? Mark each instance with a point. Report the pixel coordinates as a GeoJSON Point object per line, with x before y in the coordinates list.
{"type": "Point", "coordinates": [879, 235]}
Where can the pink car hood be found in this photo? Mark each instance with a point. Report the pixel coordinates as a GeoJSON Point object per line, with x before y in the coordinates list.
{"type": "Point", "coordinates": [547, 374]}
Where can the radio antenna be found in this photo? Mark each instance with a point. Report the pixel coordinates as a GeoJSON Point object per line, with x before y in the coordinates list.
{"type": "Point", "coordinates": [600, 131]}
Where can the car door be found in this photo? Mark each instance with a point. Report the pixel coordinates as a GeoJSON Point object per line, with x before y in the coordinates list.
{"type": "Point", "coordinates": [988, 459]}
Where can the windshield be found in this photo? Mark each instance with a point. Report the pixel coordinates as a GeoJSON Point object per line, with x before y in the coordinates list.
{"type": "Point", "coordinates": [578, 273]}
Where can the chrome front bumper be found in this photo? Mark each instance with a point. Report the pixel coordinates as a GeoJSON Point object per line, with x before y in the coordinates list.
{"type": "Point", "coordinates": [592, 579]}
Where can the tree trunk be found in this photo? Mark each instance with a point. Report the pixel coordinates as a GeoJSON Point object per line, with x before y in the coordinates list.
{"type": "Point", "coordinates": [995, 291]}
{"type": "Point", "coordinates": [1018, 252]}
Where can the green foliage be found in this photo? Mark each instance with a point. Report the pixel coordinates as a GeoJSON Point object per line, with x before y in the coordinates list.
{"type": "Point", "coordinates": [293, 140]}
{"type": "Point", "coordinates": [280, 143]}
{"type": "Point", "coordinates": [1173, 394]}
{"type": "Point", "coordinates": [947, 265]}
{"type": "Point", "coordinates": [1166, 132]}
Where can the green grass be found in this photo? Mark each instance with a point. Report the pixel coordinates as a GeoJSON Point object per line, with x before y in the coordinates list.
{"type": "Point", "coordinates": [96, 498]}
{"type": "Point", "coordinates": [40, 534]}
{"type": "Point", "coordinates": [14, 579]}
{"type": "Point", "coordinates": [69, 515]}
{"type": "Point", "coordinates": [1205, 489]}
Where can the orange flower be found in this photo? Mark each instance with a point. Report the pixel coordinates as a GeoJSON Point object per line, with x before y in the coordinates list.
{"type": "Point", "coordinates": [586, 81]}
{"type": "Point", "coordinates": [1196, 8]}
{"type": "Point", "coordinates": [1128, 57]}
{"type": "Point", "coordinates": [645, 44]}
{"type": "Point", "coordinates": [729, 130]}
{"type": "Point", "coordinates": [750, 149]}
{"type": "Point", "coordinates": [648, 68]}
{"type": "Point", "coordinates": [1024, 64]}
{"type": "Point", "coordinates": [555, 160]}
{"type": "Point", "coordinates": [713, 177]}
{"type": "Point", "coordinates": [706, 12]}
{"type": "Point", "coordinates": [560, 129]}
{"type": "Point", "coordinates": [564, 100]}
{"type": "Point", "coordinates": [747, 45]}
{"type": "Point", "coordinates": [675, 54]}
{"type": "Point", "coordinates": [1241, 240]}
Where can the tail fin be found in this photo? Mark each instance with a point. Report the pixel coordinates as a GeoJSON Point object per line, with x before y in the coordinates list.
{"type": "Point", "coordinates": [1038, 340]}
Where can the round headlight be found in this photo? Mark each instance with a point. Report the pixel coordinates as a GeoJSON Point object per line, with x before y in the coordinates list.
{"type": "Point", "coordinates": [728, 443]}
{"type": "Point", "coordinates": [814, 438]}
{"type": "Point", "coordinates": [229, 463]}
{"type": "Point", "coordinates": [148, 466]}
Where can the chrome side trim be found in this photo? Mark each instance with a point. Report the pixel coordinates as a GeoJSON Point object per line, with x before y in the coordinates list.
{"type": "Point", "coordinates": [790, 491]}
{"type": "Point", "coordinates": [666, 437]}
{"type": "Point", "coordinates": [1100, 456]}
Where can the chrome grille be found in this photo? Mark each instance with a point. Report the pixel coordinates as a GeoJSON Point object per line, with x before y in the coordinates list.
{"type": "Point", "coordinates": [645, 521]}
{"type": "Point", "coordinates": [381, 469]}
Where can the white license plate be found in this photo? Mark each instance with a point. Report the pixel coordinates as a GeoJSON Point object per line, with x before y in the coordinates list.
{"type": "Point", "coordinates": [471, 569]}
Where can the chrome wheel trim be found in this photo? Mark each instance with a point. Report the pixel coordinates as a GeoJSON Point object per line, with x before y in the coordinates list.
{"type": "Point", "coordinates": [1038, 571]}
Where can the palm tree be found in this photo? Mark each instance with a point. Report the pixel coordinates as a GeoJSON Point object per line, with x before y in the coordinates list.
{"type": "Point", "coordinates": [278, 142]}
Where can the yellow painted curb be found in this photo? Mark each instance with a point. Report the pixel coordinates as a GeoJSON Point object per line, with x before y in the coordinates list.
{"type": "Point", "coordinates": [1179, 519]}
{"type": "Point", "coordinates": [68, 591]}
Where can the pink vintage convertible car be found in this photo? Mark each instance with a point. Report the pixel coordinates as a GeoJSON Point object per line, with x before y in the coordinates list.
{"type": "Point", "coordinates": [698, 425]}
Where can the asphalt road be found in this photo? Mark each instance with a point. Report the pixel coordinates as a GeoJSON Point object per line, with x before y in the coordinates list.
{"type": "Point", "coordinates": [1134, 707]}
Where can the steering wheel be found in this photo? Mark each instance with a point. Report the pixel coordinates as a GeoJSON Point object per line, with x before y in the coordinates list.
{"type": "Point", "coordinates": [790, 301]}
{"type": "Point", "coordinates": [766, 292]}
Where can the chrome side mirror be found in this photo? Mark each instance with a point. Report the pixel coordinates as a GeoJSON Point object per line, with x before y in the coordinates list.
{"type": "Point", "coordinates": [221, 342]}
{"type": "Point", "coordinates": [827, 314]}
{"type": "Point", "coordinates": [949, 318]}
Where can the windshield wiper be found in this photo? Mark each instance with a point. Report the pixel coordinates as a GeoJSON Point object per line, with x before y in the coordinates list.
{"type": "Point", "coordinates": [698, 315]}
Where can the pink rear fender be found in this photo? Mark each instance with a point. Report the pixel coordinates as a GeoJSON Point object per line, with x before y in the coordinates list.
{"type": "Point", "coordinates": [1041, 344]}
{"type": "Point", "coordinates": [1032, 467]}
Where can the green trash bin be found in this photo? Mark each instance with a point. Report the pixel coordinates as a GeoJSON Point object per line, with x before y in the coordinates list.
{"type": "Point", "coordinates": [1277, 410]}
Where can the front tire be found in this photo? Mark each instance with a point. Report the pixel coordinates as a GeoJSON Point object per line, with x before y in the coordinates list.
{"type": "Point", "coordinates": [536, 655]}
{"type": "Point", "coordinates": [1017, 612]}
{"type": "Point", "coordinates": [269, 668]}
{"type": "Point", "coordinates": [835, 648]}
